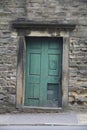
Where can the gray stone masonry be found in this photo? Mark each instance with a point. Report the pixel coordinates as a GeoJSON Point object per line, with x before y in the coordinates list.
{"type": "Point", "coordinates": [63, 11]}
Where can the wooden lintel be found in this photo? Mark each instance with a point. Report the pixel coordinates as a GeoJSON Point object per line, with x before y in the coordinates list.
{"type": "Point", "coordinates": [32, 24]}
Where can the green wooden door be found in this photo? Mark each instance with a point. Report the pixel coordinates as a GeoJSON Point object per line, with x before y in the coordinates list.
{"type": "Point", "coordinates": [43, 72]}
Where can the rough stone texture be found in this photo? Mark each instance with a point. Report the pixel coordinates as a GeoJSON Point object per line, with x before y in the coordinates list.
{"type": "Point", "coordinates": [9, 10]}
{"type": "Point", "coordinates": [63, 11]}
{"type": "Point", "coordinates": [78, 71]}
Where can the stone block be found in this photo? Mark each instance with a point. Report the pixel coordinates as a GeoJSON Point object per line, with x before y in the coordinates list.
{"type": "Point", "coordinates": [36, 1]}
{"type": "Point", "coordinates": [11, 99]}
{"type": "Point", "coordinates": [71, 99]}
{"type": "Point", "coordinates": [2, 96]}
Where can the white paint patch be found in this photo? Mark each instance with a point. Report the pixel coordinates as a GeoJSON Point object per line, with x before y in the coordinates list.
{"type": "Point", "coordinates": [39, 33]}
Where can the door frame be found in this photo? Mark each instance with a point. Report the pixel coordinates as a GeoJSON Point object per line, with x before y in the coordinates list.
{"type": "Point", "coordinates": [21, 73]}
{"type": "Point", "coordinates": [58, 31]}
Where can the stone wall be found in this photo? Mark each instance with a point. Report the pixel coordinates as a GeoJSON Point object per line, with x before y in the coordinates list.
{"type": "Point", "coordinates": [9, 10]}
{"type": "Point", "coordinates": [63, 11]}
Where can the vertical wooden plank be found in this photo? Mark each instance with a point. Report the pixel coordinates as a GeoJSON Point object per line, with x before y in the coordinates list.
{"type": "Point", "coordinates": [65, 72]}
{"type": "Point", "coordinates": [60, 73]}
{"type": "Point", "coordinates": [20, 71]}
{"type": "Point", "coordinates": [44, 73]}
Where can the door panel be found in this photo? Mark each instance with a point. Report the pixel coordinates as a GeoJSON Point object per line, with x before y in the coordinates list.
{"type": "Point", "coordinates": [53, 79]}
{"type": "Point", "coordinates": [52, 95]}
{"type": "Point", "coordinates": [53, 61]}
{"type": "Point", "coordinates": [43, 72]}
{"type": "Point", "coordinates": [34, 62]}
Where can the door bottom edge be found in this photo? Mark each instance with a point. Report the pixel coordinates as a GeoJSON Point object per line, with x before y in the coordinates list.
{"type": "Point", "coordinates": [43, 108]}
{"type": "Point", "coordinates": [28, 109]}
